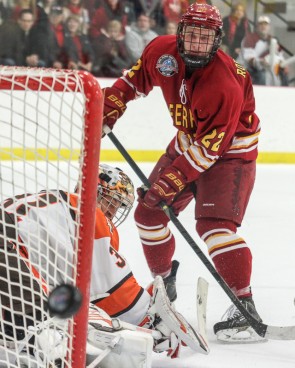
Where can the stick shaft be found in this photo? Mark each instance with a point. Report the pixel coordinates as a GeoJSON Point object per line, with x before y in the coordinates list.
{"type": "Point", "coordinates": [258, 327]}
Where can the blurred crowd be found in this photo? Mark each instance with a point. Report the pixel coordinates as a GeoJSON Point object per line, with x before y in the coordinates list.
{"type": "Point", "coordinates": [101, 36]}
{"type": "Point", "coordinates": [107, 36]}
{"type": "Point", "coordinates": [258, 50]}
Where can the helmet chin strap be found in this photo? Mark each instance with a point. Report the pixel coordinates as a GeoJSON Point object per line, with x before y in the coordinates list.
{"type": "Point", "coordinates": [192, 64]}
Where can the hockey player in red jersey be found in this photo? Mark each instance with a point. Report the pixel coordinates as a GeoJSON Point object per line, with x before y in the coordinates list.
{"type": "Point", "coordinates": [212, 157]}
{"type": "Point", "coordinates": [41, 226]}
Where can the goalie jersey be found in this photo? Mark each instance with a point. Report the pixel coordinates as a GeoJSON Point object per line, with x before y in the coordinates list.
{"type": "Point", "coordinates": [42, 229]}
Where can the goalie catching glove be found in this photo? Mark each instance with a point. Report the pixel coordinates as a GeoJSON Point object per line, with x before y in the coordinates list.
{"type": "Point", "coordinates": [114, 343]}
{"type": "Point", "coordinates": [165, 188]}
{"type": "Point", "coordinates": [114, 105]}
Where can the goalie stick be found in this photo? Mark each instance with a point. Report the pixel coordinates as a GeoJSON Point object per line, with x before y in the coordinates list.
{"type": "Point", "coordinates": [263, 330]}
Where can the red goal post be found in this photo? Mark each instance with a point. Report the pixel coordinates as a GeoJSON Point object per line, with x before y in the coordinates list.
{"type": "Point", "coordinates": [50, 130]}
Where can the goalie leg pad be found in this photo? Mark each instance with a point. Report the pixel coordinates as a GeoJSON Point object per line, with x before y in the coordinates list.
{"type": "Point", "coordinates": [175, 321]}
{"type": "Point", "coordinates": [113, 343]}
{"type": "Point", "coordinates": [127, 349]}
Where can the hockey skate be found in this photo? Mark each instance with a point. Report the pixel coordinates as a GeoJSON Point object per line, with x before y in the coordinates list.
{"type": "Point", "coordinates": [234, 327]}
{"type": "Point", "coordinates": [170, 282]}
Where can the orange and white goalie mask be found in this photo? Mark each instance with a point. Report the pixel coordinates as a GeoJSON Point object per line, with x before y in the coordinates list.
{"type": "Point", "coordinates": [115, 193]}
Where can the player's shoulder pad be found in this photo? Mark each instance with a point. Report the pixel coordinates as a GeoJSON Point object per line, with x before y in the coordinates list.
{"type": "Point", "coordinates": [162, 42]}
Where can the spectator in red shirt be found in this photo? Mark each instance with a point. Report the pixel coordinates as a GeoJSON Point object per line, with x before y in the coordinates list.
{"type": "Point", "coordinates": [235, 28]}
{"type": "Point", "coordinates": [78, 49]}
{"type": "Point", "coordinates": [109, 10]}
{"type": "Point", "coordinates": [111, 54]}
{"type": "Point", "coordinates": [76, 7]}
{"type": "Point", "coordinates": [173, 9]}
{"type": "Point", "coordinates": [56, 36]}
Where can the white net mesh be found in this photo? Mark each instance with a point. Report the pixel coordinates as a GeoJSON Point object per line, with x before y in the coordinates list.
{"type": "Point", "coordinates": [43, 155]}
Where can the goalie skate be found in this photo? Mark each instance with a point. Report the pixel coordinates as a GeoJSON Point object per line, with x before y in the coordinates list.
{"type": "Point", "coordinates": [234, 328]}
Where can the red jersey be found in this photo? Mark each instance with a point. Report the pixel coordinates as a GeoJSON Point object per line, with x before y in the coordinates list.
{"type": "Point", "coordinates": [213, 109]}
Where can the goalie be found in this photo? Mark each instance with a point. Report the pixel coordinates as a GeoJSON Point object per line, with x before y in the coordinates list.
{"type": "Point", "coordinates": [126, 321]}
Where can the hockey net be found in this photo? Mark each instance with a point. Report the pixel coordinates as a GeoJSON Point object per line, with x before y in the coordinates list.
{"type": "Point", "coordinates": [50, 129]}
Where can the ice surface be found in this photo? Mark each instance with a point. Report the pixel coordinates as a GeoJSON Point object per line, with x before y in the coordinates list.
{"type": "Point", "coordinates": [268, 228]}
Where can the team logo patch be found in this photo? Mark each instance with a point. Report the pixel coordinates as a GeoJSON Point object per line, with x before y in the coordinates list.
{"type": "Point", "coordinates": [167, 65]}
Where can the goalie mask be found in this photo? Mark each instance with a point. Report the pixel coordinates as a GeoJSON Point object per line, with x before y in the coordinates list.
{"type": "Point", "coordinates": [199, 35]}
{"type": "Point", "coordinates": [115, 193]}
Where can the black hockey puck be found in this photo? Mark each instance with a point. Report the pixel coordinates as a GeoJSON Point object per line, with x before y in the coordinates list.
{"type": "Point", "coordinates": [64, 301]}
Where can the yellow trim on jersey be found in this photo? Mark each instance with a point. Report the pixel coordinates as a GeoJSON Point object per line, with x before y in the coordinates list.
{"type": "Point", "coordinates": [43, 154]}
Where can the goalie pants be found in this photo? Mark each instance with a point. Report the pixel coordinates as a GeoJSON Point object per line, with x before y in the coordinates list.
{"type": "Point", "coordinates": [222, 194]}
{"type": "Point", "coordinates": [15, 280]}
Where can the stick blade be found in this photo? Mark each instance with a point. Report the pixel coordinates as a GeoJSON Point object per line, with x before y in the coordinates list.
{"type": "Point", "coordinates": [280, 333]}
{"type": "Point", "coordinates": [202, 294]}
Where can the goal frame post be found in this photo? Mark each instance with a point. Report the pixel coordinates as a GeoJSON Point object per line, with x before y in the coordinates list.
{"type": "Point", "coordinates": [93, 125]}
{"type": "Point", "coordinates": [21, 78]}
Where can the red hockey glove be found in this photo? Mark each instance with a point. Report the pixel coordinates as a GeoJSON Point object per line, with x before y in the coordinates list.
{"type": "Point", "coordinates": [165, 188]}
{"type": "Point", "coordinates": [114, 105]}
{"type": "Point", "coordinates": [141, 192]}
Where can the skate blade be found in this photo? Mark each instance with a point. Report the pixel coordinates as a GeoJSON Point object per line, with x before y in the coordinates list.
{"type": "Point", "coordinates": [238, 336]}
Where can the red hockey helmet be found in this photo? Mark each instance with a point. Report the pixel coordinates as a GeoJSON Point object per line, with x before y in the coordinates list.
{"type": "Point", "coordinates": [199, 35]}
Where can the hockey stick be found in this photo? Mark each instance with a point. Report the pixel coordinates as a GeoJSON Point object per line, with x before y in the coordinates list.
{"type": "Point", "coordinates": [263, 330]}
{"type": "Point", "coordinates": [202, 294]}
